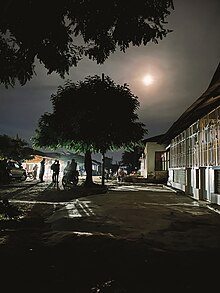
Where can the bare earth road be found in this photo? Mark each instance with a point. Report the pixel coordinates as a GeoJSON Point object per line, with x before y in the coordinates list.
{"type": "Point", "coordinates": [133, 238]}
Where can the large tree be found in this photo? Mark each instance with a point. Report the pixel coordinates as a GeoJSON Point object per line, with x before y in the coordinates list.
{"type": "Point", "coordinates": [94, 115]}
{"type": "Point", "coordinates": [60, 33]}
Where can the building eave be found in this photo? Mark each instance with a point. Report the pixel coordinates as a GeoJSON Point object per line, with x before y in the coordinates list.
{"type": "Point", "coordinates": [207, 102]}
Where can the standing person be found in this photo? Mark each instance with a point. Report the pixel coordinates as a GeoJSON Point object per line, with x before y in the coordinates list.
{"type": "Point", "coordinates": [73, 165]}
{"type": "Point", "coordinates": [42, 170]}
{"type": "Point", "coordinates": [35, 171]}
{"type": "Point", "coordinates": [56, 170]}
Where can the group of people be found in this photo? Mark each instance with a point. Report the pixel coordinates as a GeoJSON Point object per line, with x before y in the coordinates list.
{"type": "Point", "coordinates": [55, 167]}
{"type": "Point", "coordinates": [70, 170]}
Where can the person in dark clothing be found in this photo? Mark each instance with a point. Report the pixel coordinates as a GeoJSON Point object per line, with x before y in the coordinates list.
{"type": "Point", "coordinates": [72, 168]}
{"type": "Point", "coordinates": [73, 165]}
{"type": "Point", "coordinates": [42, 170]}
{"type": "Point", "coordinates": [55, 167]}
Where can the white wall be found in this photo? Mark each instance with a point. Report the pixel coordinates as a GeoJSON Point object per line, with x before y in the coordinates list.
{"type": "Point", "coordinates": [148, 159]}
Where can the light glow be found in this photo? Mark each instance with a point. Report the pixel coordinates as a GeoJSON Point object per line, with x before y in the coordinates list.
{"type": "Point", "coordinates": [148, 80]}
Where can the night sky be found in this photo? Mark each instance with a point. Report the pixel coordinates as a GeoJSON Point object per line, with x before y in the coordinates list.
{"type": "Point", "coordinates": [181, 66]}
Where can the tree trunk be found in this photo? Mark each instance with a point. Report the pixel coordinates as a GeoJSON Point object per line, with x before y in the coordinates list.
{"type": "Point", "coordinates": [103, 168]}
{"type": "Point", "coordinates": [88, 168]}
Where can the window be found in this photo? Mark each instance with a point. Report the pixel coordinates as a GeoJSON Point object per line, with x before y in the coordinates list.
{"type": "Point", "coordinates": [217, 181]}
{"type": "Point", "coordinates": [158, 161]}
{"type": "Point", "coordinates": [165, 161]}
{"type": "Point", "coordinates": [179, 176]}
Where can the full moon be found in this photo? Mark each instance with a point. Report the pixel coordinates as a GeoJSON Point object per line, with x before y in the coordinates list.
{"type": "Point", "coordinates": [148, 79]}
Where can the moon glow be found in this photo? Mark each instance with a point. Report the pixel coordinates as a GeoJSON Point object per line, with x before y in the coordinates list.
{"type": "Point", "coordinates": [148, 79]}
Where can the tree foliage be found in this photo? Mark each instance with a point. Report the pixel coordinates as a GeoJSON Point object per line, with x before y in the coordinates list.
{"type": "Point", "coordinates": [94, 115]}
{"type": "Point", "coordinates": [60, 34]}
{"type": "Point", "coordinates": [14, 148]}
{"type": "Point", "coordinates": [131, 159]}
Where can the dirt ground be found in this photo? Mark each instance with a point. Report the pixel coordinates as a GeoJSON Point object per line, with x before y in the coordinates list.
{"type": "Point", "coordinates": [175, 247]}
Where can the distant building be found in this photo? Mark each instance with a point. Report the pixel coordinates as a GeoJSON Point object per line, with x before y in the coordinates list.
{"type": "Point", "coordinates": [38, 156]}
{"type": "Point", "coordinates": [154, 160]}
{"type": "Point", "coordinates": [96, 168]}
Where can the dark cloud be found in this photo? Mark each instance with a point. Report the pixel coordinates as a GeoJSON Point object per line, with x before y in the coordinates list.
{"type": "Point", "coordinates": [182, 65]}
